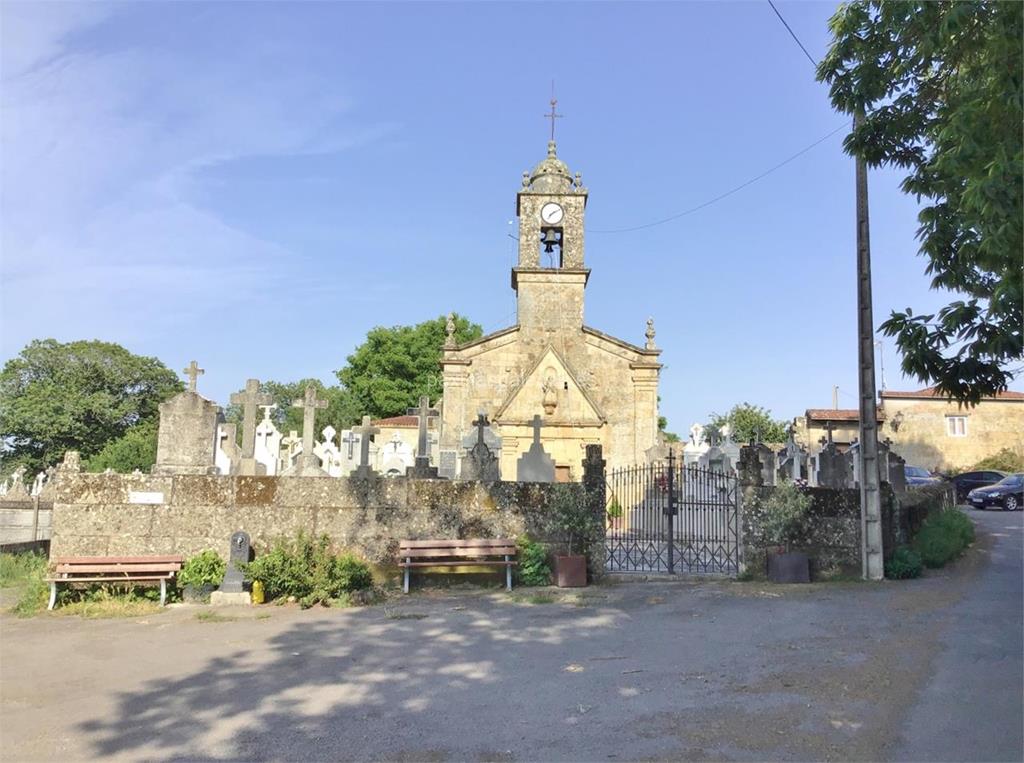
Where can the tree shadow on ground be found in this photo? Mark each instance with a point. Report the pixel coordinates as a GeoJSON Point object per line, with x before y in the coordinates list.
{"type": "Point", "coordinates": [375, 683]}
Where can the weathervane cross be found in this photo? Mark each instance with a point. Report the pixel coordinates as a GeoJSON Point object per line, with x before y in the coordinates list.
{"type": "Point", "coordinates": [553, 115]}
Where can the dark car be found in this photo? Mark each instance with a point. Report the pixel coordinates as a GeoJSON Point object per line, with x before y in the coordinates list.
{"type": "Point", "coordinates": [1006, 494]}
{"type": "Point", "coordinates": [917, 476]}
{"type": "Point", "coordinates": [967, 481]}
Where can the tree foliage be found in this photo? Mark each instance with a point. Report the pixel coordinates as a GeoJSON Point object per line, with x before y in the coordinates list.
{"type": "Point", "coordinates": [748, 422]}
{"type": "Point", "coordinates": [80, 395]}
{"type": "Point", "coordinates": [939, 84]}
{"type": "Point", "coordinates": [389, 372]}
{"type": "Point", "coordinates": [135, 449]}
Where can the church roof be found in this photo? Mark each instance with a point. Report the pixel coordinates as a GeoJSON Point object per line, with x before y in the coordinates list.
{"type": "Point", "coordinates": [397, 421]}
{"type": "Point", "coordinates": [551, 175]}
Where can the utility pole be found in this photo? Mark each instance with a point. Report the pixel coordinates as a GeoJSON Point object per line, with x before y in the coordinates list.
{"type": "Point", "coordinates": [870, 488]}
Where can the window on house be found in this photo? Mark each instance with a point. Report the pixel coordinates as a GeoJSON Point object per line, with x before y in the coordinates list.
{"type": "Point", "coordinates": [956, 426]}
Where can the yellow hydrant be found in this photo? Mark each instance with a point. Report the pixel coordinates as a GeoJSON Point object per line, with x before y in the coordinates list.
{"type": "Point", "coordinates": [257, 592]}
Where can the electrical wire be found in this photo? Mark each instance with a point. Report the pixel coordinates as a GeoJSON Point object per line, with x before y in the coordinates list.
{"type": "Point", "coordinates": [793, 35]}
{"type": "Point", "coordinates": [728, 193]}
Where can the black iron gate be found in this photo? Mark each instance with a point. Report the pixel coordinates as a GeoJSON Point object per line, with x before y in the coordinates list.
{"type": "Point", "coordinates": [669, 517]}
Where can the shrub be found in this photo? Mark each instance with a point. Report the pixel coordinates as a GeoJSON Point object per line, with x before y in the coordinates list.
{"type": "Point", "coordinates": [943, 537]}
{"type": "Point", "coordinates": [1005, 460]}
{"type": "Point", "coordinates": [16, 569]}
{"type": "Point", "coordinates": [615, 509]}
{"type": "Point", "coordinates": [308, 569]}
{"type": "Point", "coordinates": [572, 515]}
{"type": "Point", "coordinates": [533, 566]}
{"type": "Point", "coordinates": [905, 563]}
{"type": "Point", "coordinates": [784, 512]}
{"type": "Point", "coordinates": [203, 569]}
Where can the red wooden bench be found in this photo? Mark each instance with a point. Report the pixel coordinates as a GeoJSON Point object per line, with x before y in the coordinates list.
{"type": "Point", "coordinates": [489, 552]}
{"type": "Point", "coordinates": [114, 569]}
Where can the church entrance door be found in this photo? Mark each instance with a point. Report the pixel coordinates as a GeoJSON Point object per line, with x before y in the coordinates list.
{"type": "Point", "coordinates": [671, 518]}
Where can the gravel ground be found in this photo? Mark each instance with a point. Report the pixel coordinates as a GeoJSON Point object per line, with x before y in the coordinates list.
{"type": "Point", "coordinates": [919, 670]}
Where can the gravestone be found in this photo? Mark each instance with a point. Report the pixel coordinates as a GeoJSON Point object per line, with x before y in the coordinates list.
{"type": "Point", "coordinates": [697, 445]}
{"type": "Point", "coordinates": [535, 465]}
{"type": "Point", "coordinates": [232, 589]}
{"type": "Point", "coordinates": [832, 467]}
{"type": "Point", "coordinates": [187, 439]}
{"type": "Point", "coordinates": [308, 464]}
{"type": "Point", "coordinates": [421, 468]}
{"type": "Point", "coordinates": [715, 458]}
{"type": "Point", "coordinates": [250, 399]}
{"type": "Point", "coordinates": [749, 467]}
{"type": "Point", "coordinates": [480, 462]}
{"type": "Point", "coordinates": [792, 460]}
{"type": "Point", "coordinates": [328, 452]}
{"type": "Point", "coordinates": [396, 457]}
{"type": "Point", "coordinates": [291, 448]}
{"type": "Point", "coordinates": [268, 443]}
{"type": "Point", "coordinates": [366, 431]}
{"type": "Point", "coordinates": [767, 458]}
{"type": "Point", "coordinates": [448, 464]}
{"type": "Point", "coordinates": [228, 455]}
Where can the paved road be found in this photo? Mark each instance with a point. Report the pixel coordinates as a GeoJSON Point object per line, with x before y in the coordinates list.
{"type": "Point", "coordinates": [918, 670]}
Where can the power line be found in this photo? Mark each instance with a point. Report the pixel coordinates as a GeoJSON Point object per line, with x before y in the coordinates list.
{"type": "Point", "coordinates": [793, 35]}
{"type": "Point", "coordinates": [730, 192]}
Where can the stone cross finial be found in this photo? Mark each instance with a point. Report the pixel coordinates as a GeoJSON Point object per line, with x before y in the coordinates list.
{"type": "Point", "coordinates": [309, 405]}
{"type": "Point", "coordinates": [249, 400]}
{"type": "Point", "coordinates": [449, 330]}
{"type": "Point", "coordinates": [365, 432]}
{"type": "Point", "coordinates": [650, 334]}
{"type": "Point", "coordinates": [193, 372]}
{"type": "Point", "coordinates": [267, 409]}
{"type": "Point", "coordinates": [349, 439]}
{"type": "Point", "coordinates": [423, 413]}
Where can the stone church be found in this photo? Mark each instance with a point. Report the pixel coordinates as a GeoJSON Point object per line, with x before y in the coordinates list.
{"type": "Point", "coordinates": [586, 386]}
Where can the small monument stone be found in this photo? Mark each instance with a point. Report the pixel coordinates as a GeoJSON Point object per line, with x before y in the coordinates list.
{"type": "Point", "coordinates": [187, 440]}
{"type": "Point", "coordinates": [232, 590]}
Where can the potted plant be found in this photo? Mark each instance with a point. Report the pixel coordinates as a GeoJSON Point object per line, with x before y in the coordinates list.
{"type": "Point", "coordinates": [574, 519]}
{"type": "Point", "coordinates": [615, 514]}
{"type": "Point", "coordinates": [784, 512]}
{"type": "Point", "coordinates": [200, 576]}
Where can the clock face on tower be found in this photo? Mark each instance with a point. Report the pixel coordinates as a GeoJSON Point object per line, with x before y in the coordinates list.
{"type": "Point", "coordinates": [551, 213]}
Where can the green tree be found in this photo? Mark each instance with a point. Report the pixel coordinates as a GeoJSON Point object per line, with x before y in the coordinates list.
{"type": "Point", "coordinates": [135, 449]}
{"type": "Point", "coordinates": [939, 84]}
{"type": "Point", "coordinates": [395, 366]}
{"type": "Point", "coordinates": [747, 421]}
{"type": "Point", "coordinates": [80, 395]}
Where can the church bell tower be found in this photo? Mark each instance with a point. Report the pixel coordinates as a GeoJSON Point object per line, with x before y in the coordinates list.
{"type": "Point", "coordinates": [550, 277]}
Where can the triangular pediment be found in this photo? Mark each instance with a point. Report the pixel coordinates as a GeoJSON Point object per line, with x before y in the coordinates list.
{"type": "Point", "coordinates": [551, 390]}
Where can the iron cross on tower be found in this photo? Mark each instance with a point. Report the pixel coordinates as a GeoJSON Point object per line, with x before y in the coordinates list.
{"type": "Point", "coordinates": [553, 115]}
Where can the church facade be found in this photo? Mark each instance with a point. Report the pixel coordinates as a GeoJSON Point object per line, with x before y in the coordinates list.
{"type": "Point", "coordinates": [586, 386]}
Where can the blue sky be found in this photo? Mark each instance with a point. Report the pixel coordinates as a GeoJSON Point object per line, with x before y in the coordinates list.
{"type": "Point", "coordinates": [255, 185]}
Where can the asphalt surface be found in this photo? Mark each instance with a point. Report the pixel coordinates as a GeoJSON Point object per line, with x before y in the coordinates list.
{"type": "Point", "coordinates": [919, 670]}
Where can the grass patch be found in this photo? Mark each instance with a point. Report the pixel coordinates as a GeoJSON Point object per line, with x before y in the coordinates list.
{"type": "Point", "coordinates": [114, 607]}
{"type": "Point", "coordinates": [16, 569]}
{"type": "Point", "coordinates": [538, 598]}
{"type": "Point", "coordinates": [212, 616]}
{"type": "Point", "coordinates": [263, 616]}
{"type": "Point", "coordinates": [407, 616]}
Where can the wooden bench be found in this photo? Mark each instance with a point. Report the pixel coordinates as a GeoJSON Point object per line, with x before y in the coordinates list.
{"type": "Point", "coordinates": [457, 553]}
{"type": "Point", "coordinates": [114, 569]}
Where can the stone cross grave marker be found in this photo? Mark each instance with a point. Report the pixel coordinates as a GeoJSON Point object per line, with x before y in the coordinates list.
{"type": "Point", "coordinates": [309, 405]}
{"type": "Point", "coordinates": [349, 439]}
{"type": "Point", "coordinates": [193, 372]}
{"type": "Point", "coordinates": [365, 431]}
{"type": "Point", "coordinates": [535, 465]}
{"type": "Point", "coordinates": [422, 469]}
{"type": "Point", "coordinates": [250, 399]}
{"type": "Point", "coordinates": [480, 463]}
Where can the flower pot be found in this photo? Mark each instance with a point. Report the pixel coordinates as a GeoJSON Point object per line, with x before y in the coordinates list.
{"type": "Point", "coordinates": [197, 594]}
{"type": "Point", "coordinates": [571, 571]}
{"type": "Point", "coordinates": [792, 567]}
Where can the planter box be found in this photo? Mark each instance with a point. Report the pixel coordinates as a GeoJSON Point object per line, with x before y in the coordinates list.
{"type": "Point", "coordinates": [571, 571]}
{"type": "Point", "coordinates": [793, 567]}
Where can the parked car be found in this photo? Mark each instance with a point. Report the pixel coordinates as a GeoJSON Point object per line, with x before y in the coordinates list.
{"type": "Point", "coordinates": [1007, 494]}
{"type": "Point", "coordinates": [967, 481]}
{"type": "Point", "coordinates": [918, 476]}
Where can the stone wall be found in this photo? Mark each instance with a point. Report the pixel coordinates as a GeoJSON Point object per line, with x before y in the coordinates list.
{"type": "Point", "coordinates": [117, 514]}
{"type": "Point", "coordinates": [831, 534]}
